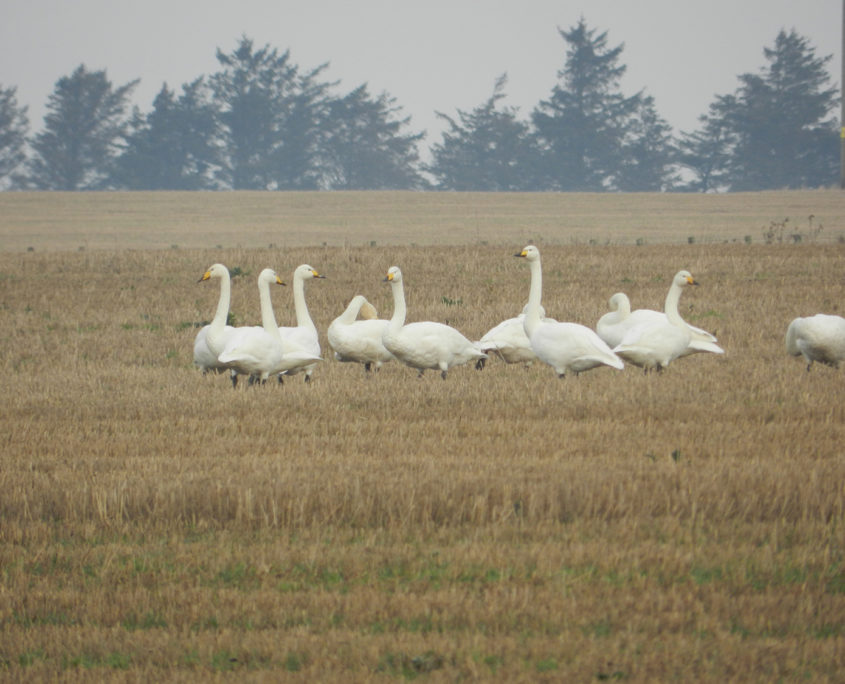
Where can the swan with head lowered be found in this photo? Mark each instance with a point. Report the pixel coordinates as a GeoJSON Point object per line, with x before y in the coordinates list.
{"type": "Point", "coordinates": [359, 341]}
{"type": "Point", "coordinates": [817, 338]}
{"type": "Point", "coordinates": [613, 326]}
{"type": "Point", "coordinates": [304, 334]}
{"type": "Point", "coordinates": [566, 347]}
{"type": "Point", "coordinates": [654, 344]}
{"type": "Point", "coordinates": [508, 341]}
{"type": "Point", "coordinates": [425, 344]}
{"type": "Point", "coordinates": [204, 357]}
{"type": "Point", "coordinates": [260, 351]}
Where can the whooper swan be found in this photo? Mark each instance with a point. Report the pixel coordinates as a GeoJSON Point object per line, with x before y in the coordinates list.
{"type": "Point", "coordinates": [260, 352]}
{"type": "Point", "coordinates": [817, 338]}
{"type": "Point", "coordinates": [654, 345]}
{"type": "Point", "coordinates": [304, 334]}
{"type": "Point", "coordinates": [425, 344]}
{"type": "Point", "coordinates": [613, 326]}
{"type": "Point", "coordinates": [359, 341]}
{"type": "Point", "coordinates": [566, 347]}
{"type": "Point", "coordinates": [204, 357]}
{"type": "Point", "coordinates": [508, 341]}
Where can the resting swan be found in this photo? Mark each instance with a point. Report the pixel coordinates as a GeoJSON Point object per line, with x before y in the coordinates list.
{"type": "Point", "coordinates": [359, 341]}
{"type": "Point", "coordinates": [655, 344]}
{"type": "Point", "coordinates": [817, 338]}
{"type": "Point", "coordinates": [204, 358]}
{"type": "Point", "coordinates": [508, 341]}
{"type": "Point", "coordinates": [425, 344]}
{"type": "Point", "coordinates": [304, 334]}
{"type": "Point", "coordinates": [260, 352]}
{"type": "Point", "coordinates": [566, 347]}
{"type": "Point", "coordinates": [613, 326]}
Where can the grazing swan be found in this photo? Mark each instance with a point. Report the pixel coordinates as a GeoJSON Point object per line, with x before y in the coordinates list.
{"type": "Point", "coordinates": [260, 352]}
{"type": "Point", "coordinates": [508, 341]}
{"type": "Point", "coordinates": [818, 338]}
{"type": "Point", "coordinates": [425, 344]}
{"type": "Point", "coordinates": [204, 357]}
{"type": "Point", "coordinates": [655, 344]}
{"type": "Point", "coordinates": [304, 334]}
{"type": "Point", "coordinates": [566, 347]}
{"type": "Point", "coordinates": [359, 341]}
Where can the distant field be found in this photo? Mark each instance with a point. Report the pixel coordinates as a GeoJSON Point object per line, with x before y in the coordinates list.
{"type": "Point", "coordinates": [157, 525]}
{"type": "Point", "coordinates": [72, 221]}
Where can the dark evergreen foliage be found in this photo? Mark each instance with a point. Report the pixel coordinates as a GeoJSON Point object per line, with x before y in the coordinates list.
{"type": "Point", "coordinates": [14, 126]}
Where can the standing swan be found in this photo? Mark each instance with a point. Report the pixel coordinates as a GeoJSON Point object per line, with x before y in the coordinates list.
{"type": "Point", "coordinates": [656, 344]}
{"type": "Point", "coordinates": [425, 344]}
{"type": "Point", "coordinates": [359, 341]}
{"type": "Point", "coordinates": [818, 338]}
{"type": "Point", "coordinates": [304, 334]}
{"type": "Point", "coordinates": [204, 357]}
{"type": "Point", "coordinates": [566, 347]}
{"type": "Point", "coordinates": [260, 352]}
{"type": "Point", "coordinates": [508, 341]}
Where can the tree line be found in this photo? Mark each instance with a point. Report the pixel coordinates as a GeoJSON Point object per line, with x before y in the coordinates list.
{"type": "Point", "coordinates": [261, 122]}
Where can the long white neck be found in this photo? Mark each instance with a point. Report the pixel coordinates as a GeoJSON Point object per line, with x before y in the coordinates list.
{"type": "Point", "coordinates": [623, 307]}
{"type": "Point", "coordinates": [671, 306]}
{"type": "Point", "coordinates": [303, 318]}
{"type": "Point", "coordinates": [398, 318]}
{"type": "Point", "coordinates": [268, 318]}
{"type": "Point", "coordinates": [351, 312]}
{"type": "Point", "coordinates": [535, 294]}
{"type": "Point", "coordinates": [218, 323]}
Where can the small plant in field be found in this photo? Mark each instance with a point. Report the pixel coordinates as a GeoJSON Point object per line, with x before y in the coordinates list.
{"type": "Point", "coordinates": [676, 455]}
{"type": "Point", "coordinates": [747, 239]}
{"type": "Point", "coordinates": [774, 233]}
{"type": "Point", "coordinates": [448, 301]}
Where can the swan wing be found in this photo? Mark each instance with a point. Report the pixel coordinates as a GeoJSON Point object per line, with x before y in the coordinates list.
{"type": "Point", "coordinates": [572, 347]}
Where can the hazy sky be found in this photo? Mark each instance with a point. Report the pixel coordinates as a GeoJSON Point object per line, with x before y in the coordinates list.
{"type": "Point", "coordinates": [432, 55]}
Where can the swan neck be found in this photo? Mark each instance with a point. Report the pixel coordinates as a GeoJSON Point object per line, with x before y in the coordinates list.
{"type": "Point", "coordinates": [303, 318]}
{"type": "Point", "coordinates": [268, 318]}
{"type": "Point", "coordinates": [671, 308]}
{"type": "Point", "coordinates": [398, 318]}
{"type": "Point", "coordinates": [222, 313]}
{"type": "Point", "coordinates": [535, 294]}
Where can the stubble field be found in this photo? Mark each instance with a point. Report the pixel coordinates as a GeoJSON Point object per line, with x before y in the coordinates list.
{"type": "Point", "coordinates": [499, 525]}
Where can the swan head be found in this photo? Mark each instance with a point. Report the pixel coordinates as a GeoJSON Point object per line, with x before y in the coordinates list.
{"type": "Point", "coordinates": [305, 272]}
{"type": "Point", "coordinates": [268, 275]}
{"type": "Point", "coordinates": [683, 278]}
{"type": "Point", "coordinates": [214, 271]}
{"type": "Point", "coordinates": [619, 302]}
{"type": "Point", "coordinates": [530, 252]}
{"type": "Point", "coordinates": [394, 275]}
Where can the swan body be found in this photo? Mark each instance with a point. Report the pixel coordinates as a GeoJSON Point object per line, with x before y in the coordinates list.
{"type": "Point", "coordinates": [205, 358]}
{"type": "Point", "coordinates": [613, 326]}
{"type": "Point", "coordinates": [508, 341]}
{"type": "Point", "coordinates": [817, 338]}
{"type": "Point", "coordinates": [359, 341]}
{"type": "Point", "coordinates": [303, 335]}
{"type": "Point", "coordinates": [655, 344]}
{"type": "Point", "coordinates": [260, 351]}
{"type": "Point", "coordinates": [566, 347]}
{"type": "Point", "coordinates": [425, 344]}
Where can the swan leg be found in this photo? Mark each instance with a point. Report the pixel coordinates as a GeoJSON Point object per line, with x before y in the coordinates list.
{"type": "Point", "coordinates": [281, 381]}
{"type": "Point", "coordinates": [479, 365]}
{"type": "Point", "coordinates": [443, 374]}
{"type": "Point", "coordinates": [420, 374]}
{"type": "Point", "coordinates": [367, 367]}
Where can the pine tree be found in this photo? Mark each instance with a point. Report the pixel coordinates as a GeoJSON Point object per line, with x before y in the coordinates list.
{"type": "Point", "coordinates": [83, 132]}
{"type": "Point", "coordinates": [172, 147]}
{"type": "Point", "coordinates": [14, 125]}
{"type": "Point", "coordinates": [486, 149]}
{"type": "Point", "coordinates": [365, 147]}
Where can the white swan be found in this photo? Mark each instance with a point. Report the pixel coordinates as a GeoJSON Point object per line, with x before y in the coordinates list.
{"type": "Point", "coordinates": [425, 344]}
{"type": "Point", "coordinates": [566, 347]}
{"type": "Point", "coordinates": [817, 338]}
{"type": "Point", "coordinates": [359, 341]}
{"type": "Point", "coordinates": [260, 352]}
{"type": "Point", "coordinates": [204, 357]}
{"type": "Point", "coordinates": [613, 326]}
{"type": "Point", "coordinates": [655, 344]}
{"type": "Point", "coordinates": [508, 341]}
{"type": "Point", "coordinates": [304, 334]}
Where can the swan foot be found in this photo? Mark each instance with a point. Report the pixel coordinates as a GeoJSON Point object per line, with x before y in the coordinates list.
{"type": "Point", "coordinates": [368, 366]}
{"type": "Point", "coordinates": [234, 379]}
{"type": "Point", "coordinates": [307, 378]}
{"type": "Point", "coordinates": [479, 365]}
{"type": "Point", "coordinates": [281, 381]}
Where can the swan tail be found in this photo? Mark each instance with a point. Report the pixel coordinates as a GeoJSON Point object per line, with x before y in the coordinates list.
{"type": "Point", "coordinates": [792, 338]}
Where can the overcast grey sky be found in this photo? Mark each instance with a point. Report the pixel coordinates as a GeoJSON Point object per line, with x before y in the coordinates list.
{"type": "Point", "coordinates": [436, 55]}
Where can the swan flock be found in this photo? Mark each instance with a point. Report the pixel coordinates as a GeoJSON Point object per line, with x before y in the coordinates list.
{"type": "Point", "coordinates": [649, 339]}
